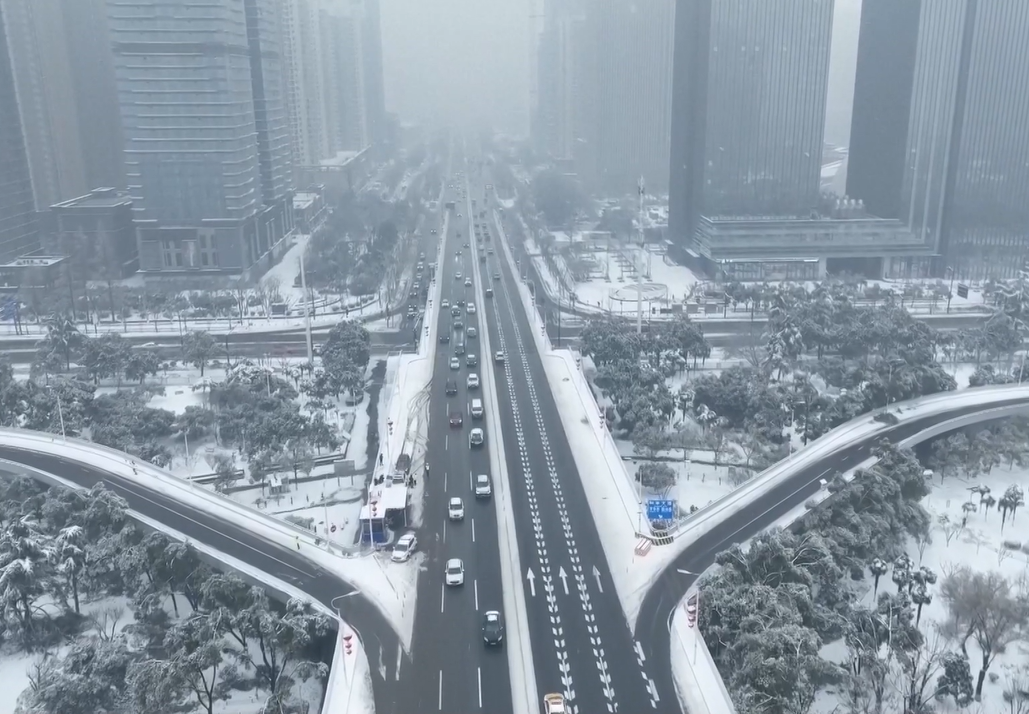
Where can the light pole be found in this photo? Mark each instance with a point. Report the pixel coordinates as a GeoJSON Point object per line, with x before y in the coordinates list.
{"type": "Point", "coordinates": [696, 633]}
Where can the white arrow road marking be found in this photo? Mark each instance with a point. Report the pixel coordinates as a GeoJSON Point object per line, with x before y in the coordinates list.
{"type": "Point", "coordinates": [596, 574]}
{"type": "Point", "coordinates": [532, 582]}
{"type": "Point", "coordinates": [564, 578]}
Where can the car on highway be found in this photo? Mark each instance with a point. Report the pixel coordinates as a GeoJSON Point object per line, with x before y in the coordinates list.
{"type": "Point", "coordinates": [444, 338]}
{"type": "Point", "coordinates": [451, 387]}
{"type": "Point", "coordinates": [473, 381]}
{"type": "Point", "coordinates": [404, 548]}
{"type": "Point", "coordinates": [455, 572]}
{"type": "Point", "coordinates": [459, 216]}
{"type": "Point", "coordinates": [455, 363]}
{"type": "Point", "coordinates": [455, 311]}
{"type": "Point", "coordinates": [554, 704]}
{"type": "Point", "coordinates": [490, 251]}
{"type": "Point", "coordinates": [456, 418]}
{"type": "Point", "coordinates": [483, 489]}
{"type": "Point", "coordinates": [496, 276]}
{"type": "Point", "coordinates": [433, 231]}
{"type": "Point", "coordinates": [458, 325]}
{"type": "Point", "coordinates": [459, 349]}
{"type": "Point", "coordinates": [499, 357]}
{"type": "Point", "coordinates": [471, 308]}
{"type": "Point", "coordinates": [445, 304]}
{"type": "Point", "coordinates": [489, 292]}
{"type": "Point", "coordinates": [472, 332]}
{"type": "Point", "coordinates": [476, 437]}
{"type": "Point", "coordinates": [468, 282]}
{"type": "Point", "coordinates": [455, 509]}
{"type": "Point", "coordinates": [457, 276]}
{"type": "Point", "coordinates": [492, 628]}
{"type": "Point", "coordinates": [471, 360]}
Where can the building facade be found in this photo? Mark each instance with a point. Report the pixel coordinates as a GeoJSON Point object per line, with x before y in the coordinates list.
{"type": "Point", "coordinates": [185, 92]}
{"type": "Point", "coordinates": [963, 141]}
{"type": "Point", "coordinates": [17, 206]}
{"type": "Point", "coordinates": [268, 79]}
{"type": "Point", "coordinates": [97, 232]}
{"type": "Point", "coordinates": [38, 44]}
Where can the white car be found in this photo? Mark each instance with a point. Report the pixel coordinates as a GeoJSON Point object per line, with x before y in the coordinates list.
{"type": "Point", "coordinates": [476, 437]}
{"type": "Point", "coordinates": [458, 276]}
{"type": "Point", "coordinates": [483, 489]}
{"type": "Point", "coordinates": [404, 548]}
{"type": "Point", "coordinates": [468, 282]}
{"type": "Point", "coordinates": [499, 356]}
{"type": "Point", "coordinates": [455, 572]}
{"type": "Point", "coordinates": [472, 332]}
{"type": "Point", "coordinates": [455, 509]}
{"type": "Point", "coordinates": [473, 381]}
{"type": "Point", "coordinates": [554, 704]}
{"type": "Point", "coordinates": [455, 363]}
{"type": "Point", "coordinates": [471, 308]}
{"type": "Point", "coordinates": [445, 304]}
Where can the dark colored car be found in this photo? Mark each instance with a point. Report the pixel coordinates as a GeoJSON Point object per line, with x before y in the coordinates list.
{"type": "Point", "coordinates": [451, 387]}
{"type": "Point", "coordinates": [459, 349]}
{"type": "Point", "coordinates": [456, 419]}
{"type": "Point", "coordinates": [471, 360]}
{"type": "Point", "coordinates": [444, 338]}
{"type": "Point", "coordinates": [492, 628]}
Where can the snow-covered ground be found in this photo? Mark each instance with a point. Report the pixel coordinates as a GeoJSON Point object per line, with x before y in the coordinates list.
{"type": "Point", "coordinates": [987, 542]}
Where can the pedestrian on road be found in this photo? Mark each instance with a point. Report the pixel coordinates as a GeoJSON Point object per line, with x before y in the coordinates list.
{"type": "Point", "coordinates": [380, 459]}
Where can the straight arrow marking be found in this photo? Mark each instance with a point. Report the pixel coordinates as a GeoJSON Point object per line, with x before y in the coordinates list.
{"type": "Point", "coordinates": [532, 582]}
{"type": "Point", "coordinates": [564, 578]}
{"type": "Point", "coordinates": [596, 574]}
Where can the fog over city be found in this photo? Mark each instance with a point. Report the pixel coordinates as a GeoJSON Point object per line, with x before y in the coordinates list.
{"type": "Point", "coordinates": [514, 356]}
{"type": "Point", "coordinates": [458, 62]}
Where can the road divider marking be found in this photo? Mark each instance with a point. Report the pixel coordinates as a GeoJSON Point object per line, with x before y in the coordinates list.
{"type": "Point", "coordinates": [473, 530]}
{"type": "Point", "coordinates": [442, 596]}
{"type": "Point", "coordinates": [475, 587]}
{"type": "Point", "coordinates": [478, 677]}
{"type": "Point", "coordinates": [441, 690]}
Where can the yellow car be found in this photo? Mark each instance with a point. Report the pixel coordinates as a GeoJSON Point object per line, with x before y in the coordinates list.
{"type": "Point", "coordinates": [553, 704]}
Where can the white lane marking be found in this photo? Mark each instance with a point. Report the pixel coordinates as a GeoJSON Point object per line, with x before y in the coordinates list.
{"type": "Point", "coordinates": [639, 652]}
{"type": "Point", "coordinates": [400, 660]}
{"type": "Point", "coordinates": [444, 481]}
{"type": "Point", "coordinates": [118, 483]}
{"type": "Point", "coordinates": [475, 586]}
{"type": "Point", "coordinates": [442, 596]}
{"type": "Point", "coordinates": [441, 690]}
{"type": "Point", "coordinates": [471, 483]}
{"type": "Point", "coordinates": [478, 676]}
{"type": "Point", "coordinates": [653, 691]}
{"type": "Point", "coordinates": [444, 531]}
{"type": "Point", "coordinates": [446, 442]}
{"type": "Point", "coordinates": [473, 530]}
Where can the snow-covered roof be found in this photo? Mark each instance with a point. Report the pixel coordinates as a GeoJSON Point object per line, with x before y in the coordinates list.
{"type": "Point", "coordinates": [387, 497]}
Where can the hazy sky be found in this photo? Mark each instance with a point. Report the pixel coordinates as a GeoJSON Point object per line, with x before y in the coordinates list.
{"type": "Point", "coordinates": [458, 62]}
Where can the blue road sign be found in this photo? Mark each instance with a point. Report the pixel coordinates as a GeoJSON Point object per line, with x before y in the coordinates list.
{"type": "Point", "coordinates": [660, 509]}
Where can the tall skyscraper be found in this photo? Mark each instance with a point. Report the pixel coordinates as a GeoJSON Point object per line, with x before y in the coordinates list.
{"type": "Point", "coordinates": [268, 80]}
{"type": "Point", "coordinates": [374, 88]}
{"type": "Point", "coordinates": [17, 209]}
{"type": "Point", "coordinates": [306, 103]}
{"type": "Point", "coordinates": [748, 108]}
{"type": "Point", "coordinates": [186, 94]}
{"type": "Point", "coordinates": [940, 135]}
{"type": "Point", "coordinates": [561, 99]}
{"type": "Point", "coordinates": [629, 65]}
{"type": "Point", "coordinates": [38, 41]}
{"type": "Point", "coordinates": [96, 98]}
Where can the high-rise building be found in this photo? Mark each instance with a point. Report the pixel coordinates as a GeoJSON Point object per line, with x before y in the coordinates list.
{"type": "Point", "coordinates": [561, 99]}
{"type": "Point", "coordinates": [627, 78]}
{"type": "Point", "coordinates": [306, 103]}
{"type": "Point", "coordinates": [344, 75]}
{"type": "Point", "coordinates": [268, 79]}
{"type": "Point", "coordinates": [96, 97]}
{"type": "Point", "coordinates": [748, 116]}
{"type": "Point", "coordinates": [39, 55]}
{"type": "Point", "coordinates": [17, 208]}
{"type": "Point", "coordinates": [749, 108]}
{"type": "Point", "coordinates": [940, 134]}
{"type": "Point", "coordinates": [186, 95]}
{"type": "Point", "coordinates": [374, 87]}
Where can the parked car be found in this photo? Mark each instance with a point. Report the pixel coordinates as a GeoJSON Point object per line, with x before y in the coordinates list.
{"type": "Point", "coordinates": [404, 548]}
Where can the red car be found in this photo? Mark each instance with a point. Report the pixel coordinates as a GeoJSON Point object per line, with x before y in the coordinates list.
{"type": "Point", "coordinates": [456, 419]}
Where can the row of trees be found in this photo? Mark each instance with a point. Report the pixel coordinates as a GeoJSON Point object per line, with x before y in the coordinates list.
{"type": "Point", "coordinates": [63, 552]}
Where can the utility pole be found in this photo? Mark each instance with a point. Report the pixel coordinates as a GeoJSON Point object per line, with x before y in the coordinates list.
{"type": "Point", "coordinates": [307, 309]}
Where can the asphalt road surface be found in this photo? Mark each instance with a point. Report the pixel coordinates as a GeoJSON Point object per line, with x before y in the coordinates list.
{"type": "Point", "coordinates": [452, 669]}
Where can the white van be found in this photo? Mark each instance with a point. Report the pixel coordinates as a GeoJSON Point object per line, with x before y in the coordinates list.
{"type": "Point", "coordinates": [476, 409]}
